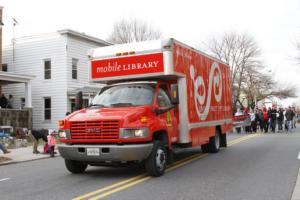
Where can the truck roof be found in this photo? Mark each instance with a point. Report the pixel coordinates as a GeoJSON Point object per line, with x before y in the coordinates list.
{"type": "Point", "coordinates": [137, 47]}
{"type": "Point", "coordinates": [140, 48]}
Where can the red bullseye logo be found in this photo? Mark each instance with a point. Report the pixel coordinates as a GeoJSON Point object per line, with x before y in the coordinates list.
{"type": "Point", "coordinates": [201, 95]}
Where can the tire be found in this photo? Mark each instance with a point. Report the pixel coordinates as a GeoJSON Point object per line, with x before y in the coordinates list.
{"type": "Point", "coordinates": [156, 163]}
{"type": "Point", "coordinates": [214, 143]}
{"type": "Point", "coordinates": [204, 148]}
{"type": "Point", "coordinates": [223, 140]}
{"type": "Point", "coordinates": [75, 167]}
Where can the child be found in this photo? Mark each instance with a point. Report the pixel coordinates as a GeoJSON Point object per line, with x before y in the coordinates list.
{"type": "Point", "coordinates": [51, 142]}
{"type": "Point", "coordinates": [2, 145]}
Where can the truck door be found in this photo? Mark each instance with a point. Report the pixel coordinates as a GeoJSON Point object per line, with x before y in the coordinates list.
{"type": "Point", "coordinates": [169, 117]}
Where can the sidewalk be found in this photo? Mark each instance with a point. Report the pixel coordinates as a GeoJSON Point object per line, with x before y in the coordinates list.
{"type": "Point", "coordinates": [22, 155]}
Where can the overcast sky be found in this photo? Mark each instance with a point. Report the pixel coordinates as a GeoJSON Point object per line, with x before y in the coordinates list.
{"type": "Point", "coordinates": [275, 24]}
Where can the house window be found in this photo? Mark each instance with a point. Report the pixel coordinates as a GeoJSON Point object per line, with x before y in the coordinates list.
{"type": "Point", "coordinates": [4, 67]}
{"type": "Point", "coordinates": [47, 69]}
{"type": "Point", "coordinates": [47, 108]}
{"type": "Point", "coordinates": [74, 68]}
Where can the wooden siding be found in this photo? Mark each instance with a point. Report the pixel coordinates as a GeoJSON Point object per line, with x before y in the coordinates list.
{"type": "Point", "coordinates": [29, 54]}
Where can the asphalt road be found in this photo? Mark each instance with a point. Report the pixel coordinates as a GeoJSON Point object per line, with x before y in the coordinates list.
{"type": "Point", "coordinates": [262, 166]}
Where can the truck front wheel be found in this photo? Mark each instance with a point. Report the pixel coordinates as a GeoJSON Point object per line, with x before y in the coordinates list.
{"type": "Point", "coordinates": [156, 163]}
{"type": "Point", "coordinates": [75, 167]}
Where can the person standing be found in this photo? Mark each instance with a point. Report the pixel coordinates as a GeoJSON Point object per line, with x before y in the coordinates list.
{"type": "Point", "coordinates": [295, 117]}
{"type": "Point", "coordinates": [280, 119]}
{"type": "Point", "coordinates": [289, 118]}
{"type": "Point", "coordinates": [51, 142]}
{"type": "Point", "coordinates": [273, 116]}
{"type": "Point", "coordinates": [266, 119]}
{"type": "Point", "coordinates": [10, 101]}
{"type": "Point", "coordinates": [253, 122]}
{"type": "Point", "coordinates": [3, 101]}
{"type": "Point", "coordinates": [261, 120]}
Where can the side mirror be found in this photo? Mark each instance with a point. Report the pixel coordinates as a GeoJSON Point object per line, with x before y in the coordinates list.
{"type": "Point", "coordinates": [174, 94]}
{"type": "Point", "coordinates": [159, 111]}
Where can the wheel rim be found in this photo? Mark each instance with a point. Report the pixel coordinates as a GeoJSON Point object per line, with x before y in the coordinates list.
{"type": "Point", "coordinates": [217, 140]}
{"type": "Point", "coordinates": [160, 159]}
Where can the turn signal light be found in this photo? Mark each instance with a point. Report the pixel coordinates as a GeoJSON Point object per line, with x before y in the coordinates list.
{"type": "Point", "coordinates": [144, 119]}
{"type": "Point", "coordinates": [61, 122]}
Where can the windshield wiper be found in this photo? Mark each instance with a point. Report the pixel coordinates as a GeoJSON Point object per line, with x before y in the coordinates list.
{"type": "Point", "coordinates": [96, 105]}
{"type": "Point", "coordinates": [120, 104]}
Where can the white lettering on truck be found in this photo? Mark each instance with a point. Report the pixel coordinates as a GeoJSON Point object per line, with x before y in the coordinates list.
{"type": "Point", "coordinates": [115, 67]}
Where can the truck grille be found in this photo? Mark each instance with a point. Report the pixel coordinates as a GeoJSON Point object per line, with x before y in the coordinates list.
{"type": "Point", "coordinates": [95, 130]}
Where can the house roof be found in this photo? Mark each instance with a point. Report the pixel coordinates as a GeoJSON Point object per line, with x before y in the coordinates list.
{"type": "Point", "coordinates": [83, 35]}
{"type": "Point", "coordinates": [11, 78]}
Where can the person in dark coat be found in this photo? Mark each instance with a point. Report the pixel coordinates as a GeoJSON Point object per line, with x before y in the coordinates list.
{"type": "Point", "coordinates": [3, 101]}
{"type": "Point", "coordinates": [273, 116]}
{"type": "Point", "coordinates": [260, 119]}
{"type": "Point", "coordinates": [37, 135]}
{"type": "Point", "coordinates": [280, 119]}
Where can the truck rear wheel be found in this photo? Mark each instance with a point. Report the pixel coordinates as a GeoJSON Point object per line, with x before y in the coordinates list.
{"type": "Point", "coordinates": [75, 167]}
{"type": "Point", "coordinates": [223, 140]}
{"type": "Point", "coordinates": [214, 142]}
{"type": "Point", "coordinates": [156, 163]}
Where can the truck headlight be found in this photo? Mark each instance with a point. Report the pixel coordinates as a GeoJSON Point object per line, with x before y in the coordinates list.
{"type": "Point", "coordinates": [64, 134]}
{"type": "Point", "coordinates": [134, 132]}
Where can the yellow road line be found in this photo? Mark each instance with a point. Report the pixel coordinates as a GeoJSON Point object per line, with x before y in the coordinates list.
{"type": "Point", "coordinates": [242, 139]}
{"type": "Point", "coordinates": [186, 162]}
{"type": "Point", "coordinates": [109, 187]}
{"type": "Point", "coordinates": [121, 188]}
{"type": "Point", "coordinates": [141, 178]}
{"type": "Point", "coordinates": [146, 178]}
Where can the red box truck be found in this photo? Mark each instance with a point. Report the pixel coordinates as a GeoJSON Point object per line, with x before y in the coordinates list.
{"type": "Point", "coordinates": [159, 96]}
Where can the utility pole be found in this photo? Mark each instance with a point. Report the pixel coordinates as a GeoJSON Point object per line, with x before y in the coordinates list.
{"type": "Point", "coordinates": [15, 22]}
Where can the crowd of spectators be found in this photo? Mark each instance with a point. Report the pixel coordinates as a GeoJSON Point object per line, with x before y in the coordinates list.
{"type": "Point", "coordinates": [271, 119]}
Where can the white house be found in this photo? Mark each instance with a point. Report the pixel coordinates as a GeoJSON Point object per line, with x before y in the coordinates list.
{"type": "Point", "coordinates": [59, 63]}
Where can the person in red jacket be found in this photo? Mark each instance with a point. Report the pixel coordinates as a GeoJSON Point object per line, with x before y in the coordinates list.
{"type": "Point", "coordinates": [51, 142]}
{"type": "Point", "coordinates": [266, 119]}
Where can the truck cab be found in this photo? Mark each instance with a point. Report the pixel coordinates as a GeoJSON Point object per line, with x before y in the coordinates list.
{"type": "Point", "coordinates": [123, 123]}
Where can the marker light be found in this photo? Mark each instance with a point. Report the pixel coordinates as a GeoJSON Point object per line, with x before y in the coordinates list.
{"type": "Point", "coordinates": [61, 122]}
{"type": "Point", "coordinates": [144, 120]}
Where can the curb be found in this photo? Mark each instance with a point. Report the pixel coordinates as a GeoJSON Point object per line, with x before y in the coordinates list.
{"type": "Point", "coordinates": [23, 161]}
{"type": "Point", "coordinates": [296, 190]}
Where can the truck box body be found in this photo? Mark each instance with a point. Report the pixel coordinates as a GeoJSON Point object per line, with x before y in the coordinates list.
{"type": "Point", "coordinates": [204, 82]}
{"type": "Point", "coordinates": [200, 108]}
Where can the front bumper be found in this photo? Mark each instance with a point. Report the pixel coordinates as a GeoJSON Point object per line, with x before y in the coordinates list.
{"type": "Point", "coordinates": [111, 153]}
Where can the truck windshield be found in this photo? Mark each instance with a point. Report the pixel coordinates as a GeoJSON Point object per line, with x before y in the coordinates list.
{"type": "Point", "coordinates": [125, 95]}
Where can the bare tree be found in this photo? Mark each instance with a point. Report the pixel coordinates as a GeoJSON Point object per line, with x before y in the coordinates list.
{"type": "Point", "coordinates": [243, 55]}
{"type": "Point", "coordinates": [132, 30]}
{"type": "Point", "coordinates": [259, 86]}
